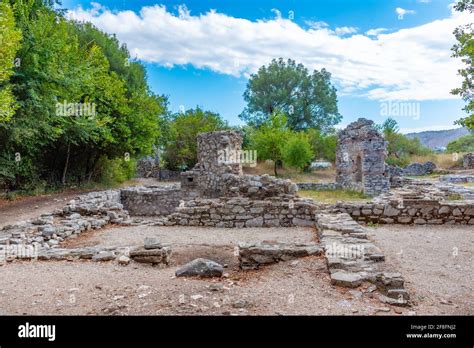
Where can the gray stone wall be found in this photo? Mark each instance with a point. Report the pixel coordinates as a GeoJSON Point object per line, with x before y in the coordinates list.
{"type": "Point", "coordinates": [217, 155]}
{"type": "Point", "coordinates": [360, 158]}
{"type": "Point", "coordinates": [244, 212]}
{"type": "Point", "coordinates": [151, 201]}
{"type": "Point", "coordinates": [416, 211]}
{"type": "Point", "coordinates": [468, 160]}
{"type": "Point", "coordinates": [318, 186]}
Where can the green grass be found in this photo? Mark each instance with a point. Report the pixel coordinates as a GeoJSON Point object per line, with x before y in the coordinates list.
{"type": "Point", "coordinates": [467, 184]}
{"type": "Point", "coordinates": [454, 197]}
{"type": "Point", "coordinates": [333, 196]}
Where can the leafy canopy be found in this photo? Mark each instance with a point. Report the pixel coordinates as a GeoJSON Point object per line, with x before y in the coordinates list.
{"type": "Point", "coordinates": [308, 99]}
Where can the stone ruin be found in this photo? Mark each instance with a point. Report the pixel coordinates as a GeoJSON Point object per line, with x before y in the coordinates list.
{"type": "Point", "coordinates": [216, 193]}
{"type": "Point", "coordinates": [468, 161]}
{"type": "Point", "coordinates": [208, 175]}
{"type": "Point", "coordinates": [360, 158]}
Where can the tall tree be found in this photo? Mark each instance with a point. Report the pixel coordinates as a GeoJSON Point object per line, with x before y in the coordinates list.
{"type": "Point", "coordinates": [464, 49]}
{"type": "Point", "coordinates": [308, 99]}
{"type": "Point", "coordinates": [10, 38]}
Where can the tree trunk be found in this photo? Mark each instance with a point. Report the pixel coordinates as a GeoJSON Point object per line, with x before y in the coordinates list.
{"type": "Point", "coordinates": [275, 168]}
{"type": "Point", "coordinates": [63, 180]}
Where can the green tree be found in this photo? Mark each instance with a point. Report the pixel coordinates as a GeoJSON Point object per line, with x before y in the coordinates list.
{"type": "Point", "coordinates": [464, 49]}
{"type": "Point", "coordinates": [297, 152]}
{"type": "Point", "coordinates": [400, 147]}
{"type": "Point", "coordinates": [308, 99]}
{"type": "Point", "coordinates": [181, 150]}
{"type": "Point", "coordinates": [10, 38]}
{"type": "Point", "coordinates": [462, 144]}
{"type": "Point", "coordinates": [323, 145]}
{"type": "Point", "coordinates": [268, 140]}
{"type": "Point", "coordinates": [68, 62]}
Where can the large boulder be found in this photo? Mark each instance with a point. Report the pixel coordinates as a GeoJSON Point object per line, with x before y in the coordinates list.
{"type": "Point", "coordinates": [418, 169]}
{"type": "Point", "coordinates": [201, 267]}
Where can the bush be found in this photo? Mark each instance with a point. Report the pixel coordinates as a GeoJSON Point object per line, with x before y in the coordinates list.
{"type": "Point", "coordinates": [297, 151]}
{"type": "Point", "coordinates": [323, 145]}
{"type": "Point", "coordinates": [462, 144]}
{"type": "Point", "coordinates": [116, 171]}
{"type": "Point", "coordinates": [181, 150]}
{"type": "Point", "coordinates": [400, 148]}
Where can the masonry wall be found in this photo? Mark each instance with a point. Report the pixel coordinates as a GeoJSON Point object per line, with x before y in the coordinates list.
{"type": "Point", "coordinates": [244, 212]}
{"type": "Point", "coordinates": [360, 158]}
{"type": "Point", "coordinates": [151, 201]}
{"type": "Point", "coordinates": [419, 212]}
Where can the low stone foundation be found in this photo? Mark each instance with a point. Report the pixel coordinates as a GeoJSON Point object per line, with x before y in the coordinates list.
{"type": "Point", "coordinates": [353, 259]}
{"type": "Point", "coordinates": [416, 211]}
{"type": "Point", "coordinates": [252, 256]}
{"type": "Point", "coordinates": [244, 212]}
{"type": "Point", "coordinates": [457, 179]}
{"type": "Point", "coordinates": [318, 186]}
{"type": "Point", "coordinates": [89, 211]}
{"type": "Point", "coordinates": [151, 201]}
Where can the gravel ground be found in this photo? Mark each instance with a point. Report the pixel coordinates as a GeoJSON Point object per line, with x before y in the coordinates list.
{"type": "Point", "coordinates": [437, 263]}
{"type": "Point", "coordinates": [287, 288]}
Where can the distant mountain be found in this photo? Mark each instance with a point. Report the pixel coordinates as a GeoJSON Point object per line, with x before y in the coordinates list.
{"type": "Point", "coordinates": [433, 139]}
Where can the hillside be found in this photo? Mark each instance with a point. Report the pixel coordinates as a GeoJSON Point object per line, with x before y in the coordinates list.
{"type": "Point", "coordinates": [433, 139]}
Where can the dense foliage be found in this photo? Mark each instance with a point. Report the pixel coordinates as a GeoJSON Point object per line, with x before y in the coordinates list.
{"type": "Point", "coordinates": [297, 152]}
{"type": "Point", "coordinates": [464, 49]}
{"type": "Point", "coordinates": [183, 128]}
{"type": "Point", "coordinates": [400, 148]}
{"type": "Point", "coordinates": [83, 109]}
{"type": "Point", "coordinates": [308, 99]}
{"type": "Point", "coordinates": [462, 144]}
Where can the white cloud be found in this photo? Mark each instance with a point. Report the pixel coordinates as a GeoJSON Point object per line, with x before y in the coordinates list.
{"type": "Point", "coordinates": [401, 12]}
{"type": "Point", "coordinates": [375, 32]}
{"type": "Point", "coordinates": [408, 64]}
{"type": "Point", "coordinates": [345, 30]}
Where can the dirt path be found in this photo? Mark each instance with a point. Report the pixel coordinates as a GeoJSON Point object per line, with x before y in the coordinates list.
{"type": "Point", "coordinates": [29, 207]}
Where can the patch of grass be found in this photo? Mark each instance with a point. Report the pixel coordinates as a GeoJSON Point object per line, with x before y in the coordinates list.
{"type": "Point", "coordinates": [333, 196]}
{"type": "Point", "coordinates": [370, 224]}
{"type": "Point", "coordinates": [467, 184]}
{"type": "Point", "coordinates": [455, 197]}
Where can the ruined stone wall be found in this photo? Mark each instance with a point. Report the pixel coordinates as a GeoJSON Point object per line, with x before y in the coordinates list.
{"type": "Point", "coordinates": [318, 186]}
{"type": "Point", "coordinates": [360, 158]}
{"type": "Point", "coordinates": [88, 211]}
{"type": "Point", "coordinates": [217, 155]}
{"type": "Point", "coordinates": [151, 201]}
{"type": "Point", "coordinates": [244, 212]}
{"type": "Point", "coordinates": [468, 160]}
{"type": "Point", "coordinates": [417, 211]}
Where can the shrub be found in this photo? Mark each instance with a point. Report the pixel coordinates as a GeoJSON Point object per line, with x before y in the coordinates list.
{"type": "Point", "coordinates": [297, 151]}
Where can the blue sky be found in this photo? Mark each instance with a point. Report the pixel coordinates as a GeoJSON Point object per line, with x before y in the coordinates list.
{"type": "Point", "coordinates": [202, 52]}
